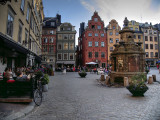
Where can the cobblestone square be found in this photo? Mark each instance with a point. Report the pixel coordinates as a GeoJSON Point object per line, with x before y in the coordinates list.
{"type": "Point", "coordinates": [73, 98]}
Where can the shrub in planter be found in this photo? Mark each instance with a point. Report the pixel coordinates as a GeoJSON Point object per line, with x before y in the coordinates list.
{"type": "Point", "coordinates": [45, 81]}
{"type": "Point", "coordinates": [82, 73]}
{"type": "Point", "coordinates": [137, 86]}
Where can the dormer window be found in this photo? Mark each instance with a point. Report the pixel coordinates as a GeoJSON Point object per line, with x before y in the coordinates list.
{"type": "Point", "coordinates": [93, 26]}
{"type": "Point", "coordinates": [52, 23]}
{"type": "Point", "coordinates": [95, 19]}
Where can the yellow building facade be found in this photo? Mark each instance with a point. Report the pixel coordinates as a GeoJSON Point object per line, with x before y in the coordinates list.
{"type": "Point", "coordinates": [113, 36]}
{"type": "Point", "coordinates": [21, 24]}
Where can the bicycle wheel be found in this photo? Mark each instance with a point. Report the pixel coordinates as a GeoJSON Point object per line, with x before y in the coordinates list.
{"type": "Point", "coordinates": [37, 97]}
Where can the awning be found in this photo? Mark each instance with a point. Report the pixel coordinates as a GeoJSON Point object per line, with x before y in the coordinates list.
{"type": "Point", "coordinates": [11, 44]}
{"type": "Point", "coordinates": [38, 58]}
{"type": "Point", "coordinates": [65, 62]}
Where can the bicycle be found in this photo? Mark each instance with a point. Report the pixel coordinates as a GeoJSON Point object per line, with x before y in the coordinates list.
{"type": "Point", "coordinates": [38, 93]}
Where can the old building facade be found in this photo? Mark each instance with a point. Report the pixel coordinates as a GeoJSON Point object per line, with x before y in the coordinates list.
{"type": "Point", "coordinates": [50, 25]}
{"type": "Point", "coordinates": [93, 42]}
{"type": "Point", "coordinates": [150, 34]}
{"type": "Point", "coordinates": [20, 33]}
{"type": "Point", "coordinates": [113, 36]}
{"type": "Point", "coordinates": [65, 45]}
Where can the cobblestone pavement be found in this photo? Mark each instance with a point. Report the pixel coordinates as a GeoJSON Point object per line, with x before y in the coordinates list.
{"type": "Point", "coordinates": [73, 98]}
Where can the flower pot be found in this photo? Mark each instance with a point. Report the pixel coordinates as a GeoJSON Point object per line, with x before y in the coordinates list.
{"type": "Point", "coordinates": [82, 74]}
{"type": "Point", "coordinates": [137, 91]}
{"type": "Point", "coordinates": [45, 88]}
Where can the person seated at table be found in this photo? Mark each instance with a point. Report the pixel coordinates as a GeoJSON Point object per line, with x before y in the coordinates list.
{"type": "Point", "coordinates": [21, 77]}
{"type": "Point", "coordinates": [8, 75]}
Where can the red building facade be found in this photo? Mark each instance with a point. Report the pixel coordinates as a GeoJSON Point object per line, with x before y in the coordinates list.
{"type": "Point", "coordinates": [92, 43]}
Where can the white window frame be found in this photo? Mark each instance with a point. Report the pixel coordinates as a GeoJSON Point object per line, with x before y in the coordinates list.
{"type": "Point", "coordinates": [59, 54]}
{"type": "Point", "coordinates": [89, 44]}
{"type": "Point", "coordinates": [102, 44]}
{"type": "Point", "coordinates": [96, 44]}
{"type": "Point", "coordinates": [63, 56]}
{"type": "Point", "coordinates": [70, 55]}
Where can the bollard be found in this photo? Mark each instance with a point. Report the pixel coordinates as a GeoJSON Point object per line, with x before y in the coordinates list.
{"type": "Point", "coordinates": [150, 80]}
{"type": "Point", "coordinates": [126, 83]}
{"type": "Point", "coordinates": [102, 77]}
{"type": "Point", "coordinates": [154, 78]}
{"type": "Point", "coordinates": [107, 80]}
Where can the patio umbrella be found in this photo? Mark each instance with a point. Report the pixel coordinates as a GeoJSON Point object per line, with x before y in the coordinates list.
{"type": "Point", "coordinates": [91, 63]}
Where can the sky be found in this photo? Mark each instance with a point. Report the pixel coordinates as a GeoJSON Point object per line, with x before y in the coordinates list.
{"type": "Point", "coordinates": [77, 11]}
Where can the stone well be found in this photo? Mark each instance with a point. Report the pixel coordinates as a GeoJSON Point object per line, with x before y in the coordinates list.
{"type": "Point", "coordinates": [128, 57]}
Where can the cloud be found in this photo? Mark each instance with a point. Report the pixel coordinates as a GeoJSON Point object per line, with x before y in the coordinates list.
{"type": "Point", "coordinates": [138, 10]}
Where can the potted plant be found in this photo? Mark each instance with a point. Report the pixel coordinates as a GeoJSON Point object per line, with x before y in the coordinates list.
{"type": "Point", "coordinates": [38, 74]}
{"type": "Point", "coordinates": [45, 81]}
{"type": "Point", "coordinates": [137, 85]}
{"type": "Point", "coordinates": [82, 73]}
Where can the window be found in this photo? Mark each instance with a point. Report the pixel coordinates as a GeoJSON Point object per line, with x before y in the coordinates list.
{"type": "Point", "coordinates": [26, 37]}
{"type": "Point", "coordinates": [90, 54]}
{"type": "Point", "coordinates": [134, 36]}
{"type": "Point", "coordinates": [20, 33]}
{"type": "Point", "coordinates": [90, 44]}
{"type": "Point", "coordinates": [146, 31]}
{"type": "Point", "coordinates": [52, 23]}
{"type": "Point", "coordinates": [95, 19]}
{"type": "Point", "coordinates": [111, 40]}
{"type": "Point", "coordinates": [10, 25]}
{"type": "Point", "coordinates": [96, 34]}
{"type": "Point", "coordinates": [136, 29]}
{"type": "Point", "coordinates": [51, 49]}
{"type": "Point", "coordinates": [151, 39]}
{"type": "Point", "coordinates": [51, 60]}
{"type": "Point", "coordinates": [133, 22]}
{"type": "Point", "coordinates": [45, 40]}
{"type": "Point", "coordinates": [102, 35]}
{"type": "Point", "coordinates": [110, 33]}
{"type": "Point", "coordinates": [31, 21]}
{"type": "Point", "coordinates": [89, 34]}
{"type": "Point", "coordinates": [44, 48]}
{"type": "Point", "coordinates": [102, 44]}
{"type": "Point", "coordinates": [146, 38]}
{"type": "Point", "coordinates": [99, 27]}
{"type": "Point", "coordinates": [146, 46]}
{"type": "Point", "coordinates": [139, 37]}
{"type": "Point", "coordinates": [27, 16]}
{"type": "Point", "coordinates": [102, 55]}
{"type": "Point", "coordinates": [114, 27]}
{"type": "Point", "coordinates": [60, 36]}
{"type": "Point", "coordinates": [147, 54]}
{"type": "Point", "coordinates": [155, 32]}
{"type": "Point", "coordinates": [59, 56]}
{"type": "Point", "coordinates": [93, 26]}
{"type": "Point", "coordinates": [65, 46]}
{"type": "Point", "coordinates": [96, 54]}
{"type": "Point", "coordinates": [156, 47]}
{"type": "Point", "coordinates": [150, 31]}
{"type": "Point", "coordinates": [65, 56]}
{"type": "Point", "coordinates": [111, 49]}
{"type": "Point", "coordinates": [69, 28]}
{"type": "Point", "coordinates": [71, 46]}
{"type": "Point", "coordinates": [103, 65]}
{"type": "Point", "coordinates": [155, 39]}
{"type": "Point", "coordinates": [22, 5]}
{"type": "Point", "coordinates": [131, 28]}
{"type": "Point", "coordinates": [51, 40]}
{"type": "Point", "coordinates": [71, 37]}
{"type": "Point", "coordinates": [65, 37]}
{"type": "Point", "coordinates": [71, 56]}
{"type": "Point", "coordinates": [151, 46]}
{"type": "Point", "coordinates": [117, 33]}
{"type": "Point", "coordinates": [96, 44]}
{"type": "Point", "coordinates": [117, 40]}
{"type": "Point", "coordinates": [156, 54]}
{"type": "Point", "coordinates": [51, 32]}
{"type": "Point", "coordinates": [151, 54]}
{"type": "Point", "coordinates": [59, 47]}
